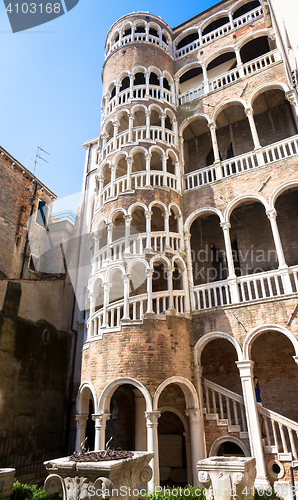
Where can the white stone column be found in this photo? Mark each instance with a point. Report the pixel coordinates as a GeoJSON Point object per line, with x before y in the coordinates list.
{"type": "Point", "coordinates": [147, 76]}
{"type": "Point", "coordinates": [149, 273]}
{"type": "Point", "coordinates": [147, 33]}
{"type": "Point", "coordinates": [81, 430]}
{"type": "Point", "coordinates": [217, 163]}
{"type": "Point", "coordinates": [162, 122]}
{"type": "Point", "coordinates": [148, 215]}
{"type": "Point", "coordinates": [164, 159]}
{"type": "Point", "coordinates": [175, 130]}
{"type": "Point", "coordinates": [239, 62]}
{"type": "Point", "coordinates": [100, 430]}
{"type": "Point", "coordinates": [197, 439]}
{"type": "Point", "coordinates": [130, 127]}
{"type": "Point", "coordinates": [148, 113]}
{"type": "Point", "coordinates": [117, 86]}
{"type": "Point", "coordinates": [186, 289]}
{"type": "Point", "coordinates": [253, 423]}
{"type": "Point", "coordinates": [106, 291]}
{"type": "Point", "coordinates": [131, 80]}
{"type": "Point", "coordinates": [167, 229]}
{"type": "Point", "coordinates": [113, 178]}
{"type": "Point", "coordinates": [230, 14]}
{"type": "Point", "coordinates": [187, 238]}
{"type": "Point", "coordinates": [161, 86]}
{"type": "Point", "coordinates": [232, 279]}
{"type": "Point", "coordinates": [116, 126]}
{"type": "Point", "coordinates": [140, 421]}
{"type": "Point", "coordinates": [200, 35]}
{"type": "Point", "coordinates": [170, 286]}
{"type": "Point", "coordinates": [258, 149]}
{"type": "Point", "coordinates": [132, 32]}
{"type": "Point", "coordinates": [205, 79]}
{"type": "Point", "coordinates": [188, 457]}
{"type": "Point", "coordinates": [160, 38]}
{"type": "Point", "coordinates": [125, 278]}
{"type": "Point", "coordinates": [110, 227]}
{"type": "Point", "coordinates": [148, 159]}
{"type": "Point", "coordinates": [152, 445]}
{"type": "Point", "coordinates": [271, 214]}
{"type": "Point", "coordinates": [128, 220]}
{"type": "Point", "coordinates": [129, 169]}
{"type": "Point", "coordinates": [92, 311]}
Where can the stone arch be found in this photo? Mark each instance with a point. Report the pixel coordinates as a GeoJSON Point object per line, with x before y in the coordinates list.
{"type": "Point", "coordinates": [201, 211]}
{"type": "Point", "coordinates": [158, 203]}
{"type": "Point", "coordinates": [189, 391]}
{"type": "Point", "coordinates": [240, 199]}
{"type": "Point", "coordinates": [187, 121]}
{"type": "Point", "coordinates": [203, 341]}
{"type": "Point", "coordinates": [263, 88]}
{"type": "Point", "coordinates": [225, 105]}
{"type": "Point", "coordinates": [125, 73]}
{"type": "Point", "coordinates": [214, 17]}
{"type": "Point", "coordinates": [161, 258]}
{"type": "Point", "coordinates": [82, 396]}
{"type": "Point", "coordinates": [184, 34]}
{"type": "Point", "coordinates": [239, 4]}
{"type": "Point", "coordinates": [136, 205]}
{"type": "Point", "coordinates": [113, 269]}
{"type": "Point", "coordinates": [139, 260]}
{"type": "Point", "coordinates": [138, 69]}
{"type": "Point", "coordinates": [253, 335]}
{"type": "Point", "coordinates": [115, 212]}
{"type": "Point", "coordinates": [177, 412]}
{"type": "Point", "coordinates": [105, 397]}
{"type": "Point", "coordinates": [154, 69]}
{"type": "Point", "coordinates": [187, 67]}
{"type": "Point", "coordinates": [220, 51]}
{"type": "Point", "coordinates": [251, 36]}
{"type": "Point", "coordinates": [219, 441]}
{"type": "Point", "coordinates": [279, 190]}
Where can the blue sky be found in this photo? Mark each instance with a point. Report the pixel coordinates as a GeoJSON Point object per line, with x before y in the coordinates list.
{"type": "Point", "coordinates": [51, 85]}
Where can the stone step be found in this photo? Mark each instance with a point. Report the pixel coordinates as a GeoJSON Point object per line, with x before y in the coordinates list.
{"type": "Point", "coordinates": [234, 428]}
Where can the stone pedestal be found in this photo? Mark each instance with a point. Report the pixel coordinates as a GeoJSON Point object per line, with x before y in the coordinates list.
{"type": "Point", "coordinates": [115, 479]}
{"type": "Point", "coordinates": [227, 477]}
{"type": "Point", "coordinates": [6, 483]}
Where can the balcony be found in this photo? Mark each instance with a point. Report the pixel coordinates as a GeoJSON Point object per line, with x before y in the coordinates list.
{"type": "Point", "coordinates": [137, 308]}
{"type": "Point", "coordinates": [260, 286]}
{"type": "Point", "coordinates": [220, 32]}
{"type": "Point", "coordinates": [243, 163]}
{"type": "Point", "coordinates": [230, 77]}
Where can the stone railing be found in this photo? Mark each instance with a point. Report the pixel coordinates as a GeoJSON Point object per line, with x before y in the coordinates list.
{"type": "Point", "coordinates": [219, 32]}
{"type": "Point", "coordinates": [223, 80]}
{"type": "Point", "coordinates": [225, 406]}
{"type": "Point", "coordinates": [138, 180]}
{"type": "Point", "coordinates": [212, 295]}
{"type": "Point", "coordinates": [137, 37]}
{"type": "Point", "coordinates": [138, 92]}
{"type": "Point", "coordinates": [281, 434]}
{"type": "Point", "coordinates": [136, 246]}
{"type": "Point", "coordinates": [258, 286]}
{"type": "Point", "coordinates": [138, 134]}
{"type": "Point", "coordinates": [137, 307]}
{"type": "Point", "coordinates": [240, 164]}
{"type": "Point", "coordinates": [230, 77]}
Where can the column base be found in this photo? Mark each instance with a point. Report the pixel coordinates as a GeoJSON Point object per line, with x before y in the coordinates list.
{"type": "Point", "coordinates": [262, 482]}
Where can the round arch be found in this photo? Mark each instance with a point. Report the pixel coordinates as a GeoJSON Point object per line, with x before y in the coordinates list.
{"type": "Point", "coordinates": [254, 334]}
{"type": "Point", "coordinates": [157, 203]}
{"type": "Point", "coordinates": [281, 189]}
{"type": "Point", "coordinates": [105, 397]}
{"type": "Point", "coordinates": [160, 258]}
{"type": "Point", "coordinates": [217, 53]}
{"type": "Point", "coordinates": [187, 67]}
{"type": "Point", "coordinates": [225, 105]}
{"type": "Point", "coordinates": [136, 205]}
{"type": "Point", "coordinates": [179, 414]}
{"type": "Point", "coordinates": [82, 398]}
{"type": "Point", "coordinates": [214, 17]}
{"type": "Point", "coordinates": [223, 439]}
{"type": "Point", "coordinates": [251, 36]}
{"type": "Point", "coordinates": [201, 211]}
{"type": "Point", "coordinates": [117, 210]}
{"type": "Point", "coordinates": [115, 268]}
{"type": "Point", "coordinates": [263, 88]}
{"type": "Point", "coordinates": [187, 121]}
{"type": "Point", "coordinates": [135, 261]}
{"type": "Point", "coordinates": [240, 199]}
{"type": "Point", "coordinates": [191, 396]}
{"type": "Point", "coordinates": [202, 342]}
{"type": "Point", "coordinates": [185, 33]}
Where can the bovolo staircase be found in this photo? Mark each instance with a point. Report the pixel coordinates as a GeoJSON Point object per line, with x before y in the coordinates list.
{"type": "Point", "coordinates": [227, 409]}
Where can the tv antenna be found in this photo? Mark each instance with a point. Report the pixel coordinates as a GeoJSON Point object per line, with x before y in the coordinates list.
{"type": "Point", "coordinates": [38, 157]}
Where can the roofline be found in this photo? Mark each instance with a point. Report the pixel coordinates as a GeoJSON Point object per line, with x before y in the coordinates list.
{"type": "Point", "coordinates": [199, 14]}
{"type": "Point", "coordinates": [25, 170]}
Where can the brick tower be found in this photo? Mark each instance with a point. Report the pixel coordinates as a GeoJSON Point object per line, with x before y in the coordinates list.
{"type": "Point", "coordinates": [192, 206]}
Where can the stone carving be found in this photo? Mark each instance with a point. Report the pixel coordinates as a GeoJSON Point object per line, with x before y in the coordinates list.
{"type": "Point", "coordinates": [6, 483]}
{"type": "Point", "coordinates": [114, 479]}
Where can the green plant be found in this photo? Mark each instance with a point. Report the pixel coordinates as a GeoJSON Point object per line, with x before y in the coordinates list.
{"type": "Point", "coordinates": [187, 493]}
{"type": "Point", "coordinates": [31, 492]}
